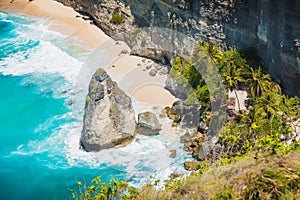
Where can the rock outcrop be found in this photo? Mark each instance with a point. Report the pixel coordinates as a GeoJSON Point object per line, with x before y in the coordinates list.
{"type": "Point", "coordinates": [173, 153]}
{"type": "Point", "coordinates": [192, 165]}
{"type": "Point", "coordinates": [175, 88]}
{"type": "Point", "coordinates": [271, 27]}
{"type": "Point", "coordinates": [211, 149]}
{"type": "Point", "coordinates": [175, 112]}
{"type": "Point", "coordinates": [148, 124]}
{"type": "Point", "coordinates": [109, 118]}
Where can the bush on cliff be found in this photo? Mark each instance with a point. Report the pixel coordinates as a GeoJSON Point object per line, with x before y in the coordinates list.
{"type": "Point", "coordinates": [117, 18]}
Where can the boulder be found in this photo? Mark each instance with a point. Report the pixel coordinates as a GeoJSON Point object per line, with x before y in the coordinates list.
{"type": "Point", "coordinates": [148, 124]}
{"type": "Point", "coordinates": [153, 72]}
{"type": "Point", "coordinates": [109, 118]}
{"type": "Point", "coordinates": [164, 112]}
{"type": "Point", "coordinates": [175, 175]}
{"type": "Point", "coordinates": [207, 148]}
{"type": "Point", "coordinates": [191, 114]}
{"type": "Point", "coordinates": [174, 113]}
{"type": "Point", "coordinates": [192, 165]}
{"type": "Point", "coordinates": [186, 138]}
{"type": "Point", "coordinates": [172, 153]}
{"type": "Point", "coordinates": [175, 88]}
{"type": "Point", "coordinates": [164, 71]}
{"type": "Point", "coordinates": [202, 127]}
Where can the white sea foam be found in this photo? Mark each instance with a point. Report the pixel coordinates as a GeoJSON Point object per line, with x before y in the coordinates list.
{"type": "Point", "coordinates": [45, 58]}
{"type": "Point", "coordinates": [3, 16]}
{"type": "Point", "coordinates": [144, 157]}
{"type": "Point", "coordinates": [43, 51]}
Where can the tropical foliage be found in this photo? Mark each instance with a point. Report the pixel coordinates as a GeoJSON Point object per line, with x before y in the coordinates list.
{"type": "Point", "coordinates": [188, 76]}
{"type": "Point", "coordinates": [104, 191]}
{"type": "Point", "coordinates": [271, 177]}
{"type": "Point", "coordinates": [259, 160]}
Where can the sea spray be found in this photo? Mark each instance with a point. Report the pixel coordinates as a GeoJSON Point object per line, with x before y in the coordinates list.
{"type": "Point", "coordinates": [39, 130]}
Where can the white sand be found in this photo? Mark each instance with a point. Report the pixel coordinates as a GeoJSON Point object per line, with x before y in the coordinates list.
{"type": "Point", "coordinates": [132, 79]}
{"type": "Point", "coordinates": [242, 96]}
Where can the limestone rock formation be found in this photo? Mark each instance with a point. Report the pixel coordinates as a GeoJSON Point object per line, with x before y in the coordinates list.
{"type": "Point", "coordinates": [192, 165]}
{"type": "Point", "coordinates": [175, 88]}
{"type": "Point", "coordinates": [148, 124]}
{"type": "Point", "coordinates": [175, 112]}
{"type": "Point", "coordinates": [271, 28]}
{"type": "Point", "coordinates": [208, 147]}
{"type": "Point", "coordinates": [109, 118]}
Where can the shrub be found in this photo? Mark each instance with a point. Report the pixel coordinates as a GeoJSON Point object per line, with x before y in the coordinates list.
{"type": "Point", "coordinates": [104, 191]}
{"type": "Point", "coordinates": [117, 18]}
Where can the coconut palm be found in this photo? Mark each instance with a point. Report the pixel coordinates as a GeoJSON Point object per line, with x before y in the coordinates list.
{"type": "Point", "coordinates": [233, 57]}
{"type": "Point", "coordinates": [232, 76]}
{"type": "Point", "coordinates": [258, 81]}
{"type": "Point", "coordinates": [289, 108]}
{"type": "Point", "coordinates": [212, 50]}
{"type": "Point", "coordinates": [268, 103]}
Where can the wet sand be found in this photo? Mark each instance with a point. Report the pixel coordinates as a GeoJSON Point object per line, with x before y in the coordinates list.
{"type": "Point", "coordinates": [128, 71]}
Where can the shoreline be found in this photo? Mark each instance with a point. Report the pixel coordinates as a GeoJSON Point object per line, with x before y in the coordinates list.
{"type": "Point", "coordinates": [60, 18]}
{"type": "Point", "coordinates": [127, 68]}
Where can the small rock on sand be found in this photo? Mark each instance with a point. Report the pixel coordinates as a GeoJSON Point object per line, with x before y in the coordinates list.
{"type": "Point", "coordinates": [153, 72]}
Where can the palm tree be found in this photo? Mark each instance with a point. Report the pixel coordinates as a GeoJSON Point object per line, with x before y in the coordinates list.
{"type": "Point", "coordinates": [233, 57]}
{"type": "Point", "coordinates": [232, 76]}
{"type": "Point", "coordinates": [289, 108]}
{"type": "Point", "coordinates": [268, 103]}
{"type": "Point", "coordinates": [258, 81]}
{"type": "Point", "coordinates": [253, 120]}
{"type": "Point", "coordinates": [212, 50]}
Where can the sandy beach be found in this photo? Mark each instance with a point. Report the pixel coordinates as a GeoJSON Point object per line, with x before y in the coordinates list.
{"type": "Point", "coordinates": [61, 18]}
{"type": "Point", "coordinates": [129, 71]}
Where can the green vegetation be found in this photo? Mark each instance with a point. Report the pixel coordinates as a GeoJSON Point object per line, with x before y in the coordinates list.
{"type": "Point", "coordinates": [271, 113]}
{"type": "Point", "coordinates": [243, 179]}
{"type": "Point", "coordinates": [114, 113]}
{"type": "Point", "coordinates": [271, 177]}
{"type": "Point", "coordinates": [186, 75]}
{"type": "Point", "coordinates": [117, 17]}
{"type": "Point", "coordinates": [103, 191]}
{"type": "Point", "coordinates": [256, 162]}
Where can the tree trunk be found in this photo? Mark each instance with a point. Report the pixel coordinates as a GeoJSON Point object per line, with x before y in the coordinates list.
{"type": "Point", "coordinates": [237, 99]}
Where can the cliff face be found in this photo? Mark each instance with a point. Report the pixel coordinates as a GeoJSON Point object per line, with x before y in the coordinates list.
{"type": "Point", "coordinates": [271, 27]}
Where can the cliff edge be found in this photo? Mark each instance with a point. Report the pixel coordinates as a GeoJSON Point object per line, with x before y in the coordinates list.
{"type": "Point", "coordinates": [270, 27]}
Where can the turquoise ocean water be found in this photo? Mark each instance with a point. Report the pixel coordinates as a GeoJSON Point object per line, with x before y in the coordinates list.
{"type": "Point", "coordinates": [35, 83]}
{"type": "Point", "coordinates": [39, 135]}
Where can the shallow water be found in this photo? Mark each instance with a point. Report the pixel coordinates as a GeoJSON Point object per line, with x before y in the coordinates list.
{"type": "Point", "coordinates": [39, 133]}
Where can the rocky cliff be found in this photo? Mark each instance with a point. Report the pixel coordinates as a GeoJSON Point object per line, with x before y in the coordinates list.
{"type": "Point", "coordinates": [271, 27]}
{"type": "Point", "coordinates": [109, 118]}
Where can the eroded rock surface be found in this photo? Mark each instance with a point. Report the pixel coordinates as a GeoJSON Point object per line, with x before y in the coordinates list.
{"type": "Point", "coordinates": [148, 124]}
{"type": "Point", "coordinates": [271, 28]}
{"type": "Point", "coordinates": [109, 118]}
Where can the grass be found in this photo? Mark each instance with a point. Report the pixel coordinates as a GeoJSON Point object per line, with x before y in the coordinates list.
{"type": "Point", "coordinates": [270, 177]}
